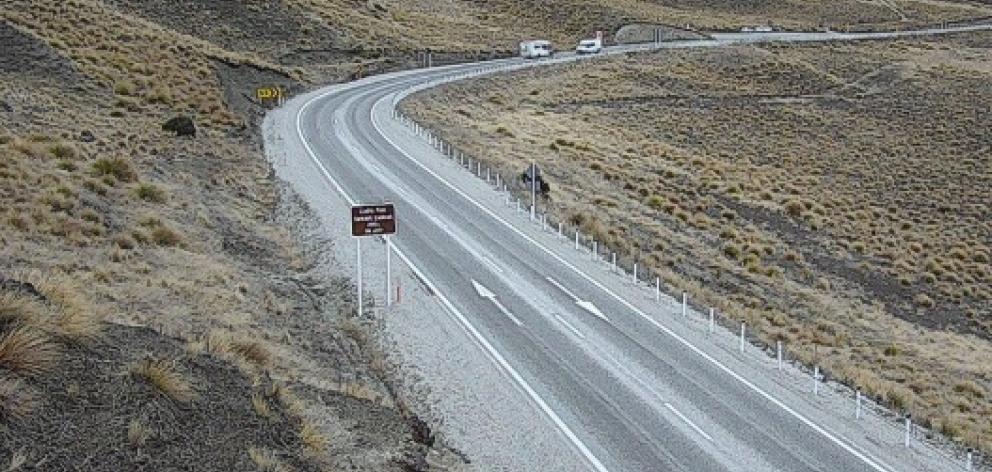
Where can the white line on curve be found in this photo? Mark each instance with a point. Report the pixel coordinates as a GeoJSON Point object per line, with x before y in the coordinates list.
{"type": "Point", "coordinates": [494, 354]}
{"type": "Point", "coordinates": [775, 401]}
{"type": "Point", "coordinates": [563, 289]}
{"type": "Point", "coordinates": [688, 422]}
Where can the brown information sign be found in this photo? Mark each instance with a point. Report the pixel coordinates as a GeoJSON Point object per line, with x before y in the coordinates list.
{"type": "Point", "coordinates": [373, 220]}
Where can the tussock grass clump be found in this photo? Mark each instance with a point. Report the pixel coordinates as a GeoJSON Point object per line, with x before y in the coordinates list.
{"type": "Point", "coordinates": [266, 460]}
{"type": "Point", "coordinates": [138, 433]}
{"type": "Point", "coordinates": [117, 167]}
{"type": "Point", "coordinates": [165, 378]}
{"type": "Point", "coordinates": [165, 236]}
{"type": "Point", "coordinates": [313, 439]}
{"type": "Point", "coordinates": [150, 193]}
{"type": "Point", "coordinates": [17, 400]}
{"type": "Point", "coordinates": [27, 351]}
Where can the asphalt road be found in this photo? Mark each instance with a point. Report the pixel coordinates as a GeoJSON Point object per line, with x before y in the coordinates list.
{"type": "Point", "coordinates": [627, 393]}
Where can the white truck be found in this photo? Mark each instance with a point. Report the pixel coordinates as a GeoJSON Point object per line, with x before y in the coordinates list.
{"type": "Point", "coordinates": [536, 49]}
{"type": "Point", "coordinates": [591, 46]}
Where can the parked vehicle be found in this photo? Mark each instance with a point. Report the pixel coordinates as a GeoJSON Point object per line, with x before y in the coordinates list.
{"type": "Point", "coordinates": [536, 49]}
{"type": "Point", "coordinates": [589, 46]}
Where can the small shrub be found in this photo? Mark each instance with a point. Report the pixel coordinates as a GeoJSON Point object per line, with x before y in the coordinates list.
{"type": "Point", "coordinates": [164, 236]}
{"type": "Point", "coordinates": [63, 150]}
{"type": "Point", "coordinates": [67, 166]}
{"type": "Point", "coordinates": [732, 251]}
{"type": "Point", "coordinates": [794, 208]}
{"type": "Point", "coordinates": [150, 193]}
{"type": "Point", "coordinates": [125, 87]}
{"type": "Point", "coordinates": [116, 167]}
{"type": "Point", "coordinates": [924, 301]}
{"type": "Point", "coordinates": [656, 202]}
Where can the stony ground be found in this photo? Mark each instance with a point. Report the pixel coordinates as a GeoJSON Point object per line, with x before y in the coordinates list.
{"type": "Point", "coordinates": [832, 196]}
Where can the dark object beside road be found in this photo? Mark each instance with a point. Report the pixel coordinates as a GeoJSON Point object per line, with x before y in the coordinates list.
{"type": "Point", "coordinates": [181, 125]}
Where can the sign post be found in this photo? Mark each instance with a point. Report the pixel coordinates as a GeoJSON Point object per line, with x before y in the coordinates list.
{"type": "Point", "coordinates": [372, 220]}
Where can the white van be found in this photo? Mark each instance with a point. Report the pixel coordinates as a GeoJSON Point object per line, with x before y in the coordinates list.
{"type": "Point", "coordinates": [535, 49]}
{"type": "Point", "coordinates": [589, 46]}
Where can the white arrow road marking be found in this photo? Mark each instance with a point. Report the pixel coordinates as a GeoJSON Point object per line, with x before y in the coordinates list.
{"type": "Point", "coordinates": [688, 422]}
{"type": "Point", "coordinates": [488, 295]}
{"type": "Point", "coordinates": [569, 326]}
{"type": "Point", "coordinates": [585, 305]}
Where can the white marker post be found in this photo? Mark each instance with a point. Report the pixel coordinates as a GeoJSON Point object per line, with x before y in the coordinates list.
{"type": "Point", "coordinates": [533, 189]}
{"type": "Point", "coordinates": [657, 289]}
{"type": "Point", "coordinates": [685, 301]}
{"type": "Point", "coordinates": [909, 429]}
{"type": "Point", "coordinates": [857, 405]}
{"type": "Point", "coordinates": [712, 320]}
{"type": "Point", "coordinates": [389, 272]}
{"type": "Point", "coordinates": [778, 349]}
{"type": "Point", "coordinates": [743, 328]}
{"type": "Point", "coordinates": [576, 240]}
{"type": "Point", "coordinates": [816, 380]}
{"type": "Point", "coordinates": [561, 226]}
{"type": "Point", "coordinates": [358, 282]}
{"type": "Point", "coordinates": [635, 273]}
{"type": "Point", "coordinates": [614, 262]}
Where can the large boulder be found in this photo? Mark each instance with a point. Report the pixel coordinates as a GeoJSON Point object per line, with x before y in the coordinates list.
{"type": "Point", "coordinates": [181, 125]}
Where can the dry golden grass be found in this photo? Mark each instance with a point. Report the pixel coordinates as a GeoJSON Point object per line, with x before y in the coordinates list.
{"type": "Point", "coordinates": [138, 433]}
{"type": "Point", "coordinates": [17, 461]}
{"type": "Point", "coordinates": [314, 441]}
{"type": "Point", "coordinates": [266, 460]}
{"type": "Point", "coordinates": [27, 351]}
{"type": "Point", "coordinates": [17, 400]}
{"type": "Point", "coordinates": [832, 196]}
{"type": "Point", "coordinates": [164, 376]}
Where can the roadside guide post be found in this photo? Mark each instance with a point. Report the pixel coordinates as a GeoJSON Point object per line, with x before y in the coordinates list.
{"type": "Point", "coordinates": [373, 220]}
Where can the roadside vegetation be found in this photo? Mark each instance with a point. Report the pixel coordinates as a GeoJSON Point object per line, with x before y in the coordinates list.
{"type": "Point", "coordinates": [834, 197]}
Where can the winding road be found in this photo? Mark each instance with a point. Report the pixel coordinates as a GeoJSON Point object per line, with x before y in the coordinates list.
{"type": "Point", "coordinates": [596, 355]}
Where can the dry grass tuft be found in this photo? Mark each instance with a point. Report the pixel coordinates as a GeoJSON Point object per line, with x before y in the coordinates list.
{"type": "Point", "coordinates": [251, 351]}
{"type": "Point", "coordinates": [17, 461]}
{"type": "Point", "coordinates": [164, 377]}
{"type": "Point", "coordinates": [17, 400]}
{"type": "Point", "coordinates": [313, 439]}
{"type": "Point", "coordinates": [261, 405]}
{"type": "Point", "coordinates": [266, 460]}
{"type": "Point", "coordinates": [137, 433]}
{"type": "Point", "coordinates": [27, 351]}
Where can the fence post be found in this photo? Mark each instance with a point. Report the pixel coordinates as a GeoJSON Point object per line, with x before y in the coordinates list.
{"type": "Point", "coordinates": [743, 328]}
{"type": "Point", "coordinates": [909, 429]}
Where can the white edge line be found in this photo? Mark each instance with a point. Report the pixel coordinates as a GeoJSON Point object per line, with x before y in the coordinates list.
{"type": "Point", "coordinates": [479, 338]}
{"type": "Point", "coordinates": [688, 422]}
{"type": "Point", "coordinates": [795, 414]}
{"type": "Point", "coordinates": [562, 288]}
